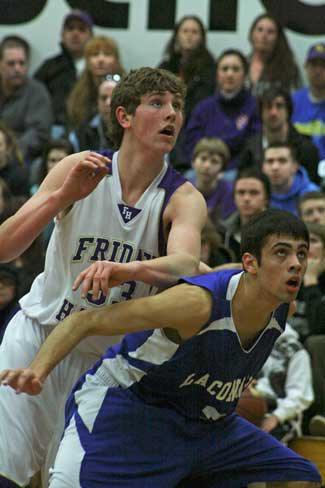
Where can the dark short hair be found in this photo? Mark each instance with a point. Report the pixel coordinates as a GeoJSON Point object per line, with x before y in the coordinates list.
{"type": "Point", "coordinates": [279, 145]}
{"type": "Point", "coordinates": [257, 174]}
{"type": "Point", "coordinates": [270, 222]}
{"type": "Point", "coordinates": [14, 42]}
{"type": "Point", "coordinates": [269, 95]}
{"type": "Point", "coordinates": [137, 83]}
{"type": "Point", "coordinates": [234, 52]}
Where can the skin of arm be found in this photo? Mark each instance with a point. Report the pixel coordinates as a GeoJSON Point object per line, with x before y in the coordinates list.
{"type": "Point", "coordinates": [154, 312]}
{"type": "Point", "coordinates": [184, 218]}
{"type": "Point", "coordinates": [70, 180]}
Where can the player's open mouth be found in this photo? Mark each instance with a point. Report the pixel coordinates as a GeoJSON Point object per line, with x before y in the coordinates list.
{"type": "Point", "coordinates": [293, 284]}
{"type": "Point", "coordinates": [168, 131]}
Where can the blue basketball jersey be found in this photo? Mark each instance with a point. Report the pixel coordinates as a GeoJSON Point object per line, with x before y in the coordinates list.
{"type": "Point", "coordinates": [203, 377]}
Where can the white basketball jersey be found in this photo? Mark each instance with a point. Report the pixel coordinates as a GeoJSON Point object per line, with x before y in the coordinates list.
{"type": "Point", "coordinates": [100, 227]}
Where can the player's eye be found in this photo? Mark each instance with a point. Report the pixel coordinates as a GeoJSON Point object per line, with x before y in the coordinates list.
{"type": "Point", "coordinates": [156, 103]}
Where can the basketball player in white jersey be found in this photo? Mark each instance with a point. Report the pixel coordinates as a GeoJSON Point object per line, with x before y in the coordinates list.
{"type": "Point", "coordinates": [136, 213]}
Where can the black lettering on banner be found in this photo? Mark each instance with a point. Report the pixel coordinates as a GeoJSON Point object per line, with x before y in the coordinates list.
{"type": "Point", "coordinates": [19, 11]}
{"type": "Point", "coordinates": [161, 17]}
{"type": "Point", "coordinates": [105, 13]}
{"type": "Point", "coordinates": [298, 16]}
{"type": "Point", "coordinates": [223, 15]}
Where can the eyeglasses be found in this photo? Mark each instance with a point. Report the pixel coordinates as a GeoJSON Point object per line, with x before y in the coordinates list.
{"type": "Point", "coordinates": [114, 77]}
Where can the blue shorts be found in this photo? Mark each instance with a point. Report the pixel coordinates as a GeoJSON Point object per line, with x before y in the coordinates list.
{"type": "Point", "coordinates": [114, 439]}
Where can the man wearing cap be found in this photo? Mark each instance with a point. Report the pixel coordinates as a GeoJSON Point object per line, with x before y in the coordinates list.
{"type": "Point", "coordinates": [60, 72]}
{"type": "Point", "coordinates": [309, 102]}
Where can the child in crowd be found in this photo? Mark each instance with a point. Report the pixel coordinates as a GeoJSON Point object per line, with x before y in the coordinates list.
{"type": "Point", "coordinates": [210, 158]}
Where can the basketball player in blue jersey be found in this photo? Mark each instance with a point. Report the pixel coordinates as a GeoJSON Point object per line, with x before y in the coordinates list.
{"type": "Point", "coordinates": [135, 213]}
{"type": "Point", "coordinates": [158, 410]}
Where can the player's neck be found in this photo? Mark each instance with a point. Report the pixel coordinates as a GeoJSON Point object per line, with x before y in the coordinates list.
{"type": "Point", "coordinates": [136, 173]}
{"type": "Point", "coordinates": [249, 292]}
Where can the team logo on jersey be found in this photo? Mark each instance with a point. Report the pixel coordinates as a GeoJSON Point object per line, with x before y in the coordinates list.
{"type": "Point", "coordinates": [128, 213]}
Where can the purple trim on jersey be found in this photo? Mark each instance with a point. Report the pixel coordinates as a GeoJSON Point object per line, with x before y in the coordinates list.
{"type": "Point", "coordinates": [170, 183]}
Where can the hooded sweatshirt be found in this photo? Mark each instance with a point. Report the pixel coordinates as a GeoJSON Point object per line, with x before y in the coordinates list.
{"type": "Point", "coordinates": [289, 201]}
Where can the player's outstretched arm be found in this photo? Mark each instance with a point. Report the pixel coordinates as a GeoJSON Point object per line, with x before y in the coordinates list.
{"type": "Point", "coordinates": [70, 180]}
{"type": "Point", "coordinates": [185, 217]}
{"type": "Point", "coordinates": [184, 308]}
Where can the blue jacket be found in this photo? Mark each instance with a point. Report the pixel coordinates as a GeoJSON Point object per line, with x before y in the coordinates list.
{"type": "Point", "coordinates": [289, 201]}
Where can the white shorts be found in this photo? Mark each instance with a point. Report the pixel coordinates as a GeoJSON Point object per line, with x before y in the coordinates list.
{"type": "Point", "coordinates": [30, 424]}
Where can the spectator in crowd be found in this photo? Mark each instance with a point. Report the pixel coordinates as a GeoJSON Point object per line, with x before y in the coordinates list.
{"type": "Point", "coordinates": [59, 73]}
{"type": "Point", "coordinates": [187, 56]}
{"type": "Point", "coordinates": [210, 159]}
{"type": "Point", "coordinates": [288, 179]}
{"type": "Point", "coordinates": [309, 102]}
{"type": "Point", "coordinates": [252, 193]}
{"type": "Point", "coordinates": [25, 105]}
{"type": "Point", "coordinates": [213, 253]}
{"type": "Point", "coordinates": [229, 114]}
{"type": "Point", "coordinates": [102, 58]}
{"type": "Point", "coordinates": [275, 109]}
{"type": "Point", "coordinates": [93, 134]}
{"type": "Point", "coordinates": [9, 283]}
{"type": "Point", "coordinates": [312, 207]}
{"type": "Point", "coordinates": [309, 322]}
{"type": "Point", "coordinates": [12, 167]}
{"type": "Point", "coordinates": [271, 62]}
{"type": "Point", "coordinates": [286, 384]}
{"type": "Point", "coordinates": [54, 151]}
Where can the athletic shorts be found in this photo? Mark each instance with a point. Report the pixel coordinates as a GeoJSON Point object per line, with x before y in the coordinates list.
{"type": "Point", "coordinates": [32, 426]}
{"type": "Point", "coordinates": [114, 439]}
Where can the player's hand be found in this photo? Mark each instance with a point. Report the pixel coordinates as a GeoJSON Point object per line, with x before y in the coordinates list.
{"type": "Point", "coordinates": [83, 178]}
{"type": "Point", "coordinates": [103, 275]}
{"type": "Point", "coordinates": [23, 380]}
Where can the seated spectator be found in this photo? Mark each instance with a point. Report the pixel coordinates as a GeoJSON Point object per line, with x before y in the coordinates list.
{"type": "Point", "coordinates": [9, 283]}
{"type": "Point", "coordinates": [230, 114]}
{"type": "Point", "coordinates": [312, 207]}
{"type": "Point", "coordinates": [213, 253]}
{"type": "Point", "coordinates": [252, 192]}
{"type": "Point", "coordinates": [288, 179]}
{"type": "Point", "coordinates": [6, 201]}
{"type": "Point", "coordinates": [187, 56]}
{"type": "Point", "coordinates": [309, 322]}
{"type": "Point", "coordinates": [210, 159]}
{"type": "Point", "coordinates": [271, 62]}
{"type": "Point", "coordinates": [275, 109]}
{"type": "Point", "coordinates": [59, 73]}
{"type": "Point", "coordinates": [93, 134]}
{"type": "Point", "coordinates": [25, 105]}
{"type": "Point", "coordinates": [309, 102]}
{"type": "Point", "coordinates": [286, 384]}
{"type": "Point", "coordinates": [102, 59]}
{"type": "Point", "coordinates": [54, 151]}
{"type": "Point", "coordinates": [12, 166]}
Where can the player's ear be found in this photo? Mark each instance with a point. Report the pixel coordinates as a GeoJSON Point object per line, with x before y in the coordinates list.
{"type": "Point", "coordinates": [123, 118]}
{"type": "Point", "coordinates": [249, 263]}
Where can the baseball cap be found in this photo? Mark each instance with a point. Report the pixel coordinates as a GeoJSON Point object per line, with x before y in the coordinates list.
{"type": "Point", "coordinates": [317, 51]}
{"type": "Point", "coordinates": [80, 15]}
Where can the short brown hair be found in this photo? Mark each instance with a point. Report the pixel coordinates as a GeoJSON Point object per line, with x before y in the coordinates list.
{"type": "Point", "coordinates": [133, 86]}
{"type": "Point", "coordinates": [213, 145]}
